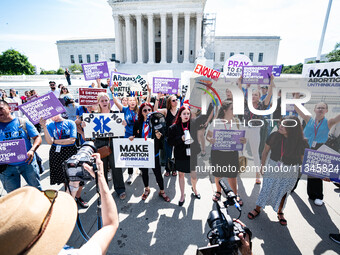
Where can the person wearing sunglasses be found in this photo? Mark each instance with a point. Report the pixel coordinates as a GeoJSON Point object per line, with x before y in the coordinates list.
{"type": "Point", "coordinates": [56, 91]}
{"type": "Point", "coordinates": [46, 229]}
{"type": "Point", "coordinates": [139, 132]}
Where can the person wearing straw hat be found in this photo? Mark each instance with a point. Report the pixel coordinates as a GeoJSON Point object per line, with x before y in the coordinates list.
{"type": "Point", "coordinates": [35, 222]}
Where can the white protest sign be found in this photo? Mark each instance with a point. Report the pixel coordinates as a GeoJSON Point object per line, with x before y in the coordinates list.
{"type": "Point", "coordinates": [101, 125]}
{"type": "Point", "coordinates": [234, 65]}
{"type": "Point", "coordinates": [126, 85]}
{"type": "Point", "coordinates": [136, 153]}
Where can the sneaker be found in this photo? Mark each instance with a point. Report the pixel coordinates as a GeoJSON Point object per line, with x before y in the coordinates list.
{"type": "Point", "coordinates": [129, 179]}
{"type": "Point", "coordinates": [318, 202]}
{"type": "Point", "coordinates": [81, 202]}
{"type": "Point", "coordinates": [335, 238]}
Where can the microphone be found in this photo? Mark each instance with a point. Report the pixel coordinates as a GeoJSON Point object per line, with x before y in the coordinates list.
{"type": "Point", "coordinates": [231, 197]}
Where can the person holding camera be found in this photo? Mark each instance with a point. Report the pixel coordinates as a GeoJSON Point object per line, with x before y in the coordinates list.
{"type": "Point", "coordinates": [46, 229]}
{"type": "Point", "coordinates": [141, 130]}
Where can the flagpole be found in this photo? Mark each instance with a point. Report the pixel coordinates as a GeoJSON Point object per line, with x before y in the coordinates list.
{"type": "Point", "coordinates": [323, 32]}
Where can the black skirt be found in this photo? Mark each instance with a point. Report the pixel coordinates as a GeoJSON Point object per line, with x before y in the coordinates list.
{"type": "Point", "coordinates": [182, 165]}
{"type": "Point", "coordinates": [224, 163]}
{"type": "Point", "coordinates": [57, 174]}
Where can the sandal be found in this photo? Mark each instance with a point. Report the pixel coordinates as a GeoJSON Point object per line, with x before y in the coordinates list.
{"type": "Point", "coordinates": [146, 194]}
{"type": "Point", "coordinates": [174, 173]}
{"type": "Point", "coordinates": [198, 196]}
{"type": "Point", "coordinates": [239, 200]}
{"type": "Point", "coordinates": [258, 181]}
{"type": "Point", "coordinates": [216, 197]}
{"type": "Point", "coordinates": [282, 220]}
{"type": "Point", "coordinates": [165, 197]}
{"type": "Point", "coordinates": [251, 216]}
{"type": "Point", "coordinates": [167, 174]}
{"type": "Point", "coordinates": [122, 196]}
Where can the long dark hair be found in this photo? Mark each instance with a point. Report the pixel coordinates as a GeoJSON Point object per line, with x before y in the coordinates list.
{"type": "Point", "coordinates": [295, 140]}
{"type": "Point", "coordinates": [178, 119]}
{"type": "Point", "coordinates": [140, 111]}
{"type": "Point", "coordinates": [224, 107]}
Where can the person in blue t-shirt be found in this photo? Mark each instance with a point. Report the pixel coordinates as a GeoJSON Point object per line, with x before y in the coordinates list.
{"type": "Point", "coordinates": [79, 115]}
{"type": "Point", "coordinates": [11, 128]}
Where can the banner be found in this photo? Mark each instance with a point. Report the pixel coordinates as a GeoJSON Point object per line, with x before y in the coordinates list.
{"type": "Point", "coordinates": [93, 71]}
{"type": "Point", "coordinates": [128, 85]}
{"type": "Point", "coordinates": [31, 98]}
{"type": "Point", "coordinates": [322, 78]}
{"type": "Point", "coordinates": [321, 164]}
{"type": "Point", "coordinates": [12, 151]}
{"type": "Point", "coordinates": [256, 74]}
{"type": "Point", "coordinates": [228, 139]}
{"type": "Point", "coordinates": [101, 125]}
{"type": "Point", "coordinates": [136, 153]}
{"type": "Point", "coordinates": [14, 107]}
{"type": "Point", "coordinates": [165, 85]}
{"type": "Point", "coordinates": [207, 72]}
{"type": "Point", "coordinates": [233, 66]}
{"type": "Point", "coordinates": [44, 107]}
{"type": "Point", "coordinates": [88, 96]}
{"type": "Point", "coordinates": [276, 71]}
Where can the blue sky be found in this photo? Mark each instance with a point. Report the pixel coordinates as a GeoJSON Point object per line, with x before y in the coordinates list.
{"type": "Point", "coordinates": [33, 27]}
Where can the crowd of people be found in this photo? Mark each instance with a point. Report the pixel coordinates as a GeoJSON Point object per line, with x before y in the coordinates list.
{"type": "Point", "coordinates": [65, 133]}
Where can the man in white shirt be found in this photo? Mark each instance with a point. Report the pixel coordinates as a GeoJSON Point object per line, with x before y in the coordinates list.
{"type": "Point", "coordinates": [55, 90]}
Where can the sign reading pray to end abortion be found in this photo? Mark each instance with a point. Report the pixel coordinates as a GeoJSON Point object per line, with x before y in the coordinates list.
{"type": "Point", "coordinates": [12, 151]}
{"type": "Point", "coordinates": [93, 71]}
{"type": "Point", "coordinates": [125, 85]}
{"type": "Point", "coordinates": [165, 85]}
{"type": "Point", "coordinates": [228, 140]}
{"type": "Point", "coordinates": [44, 107]}
{"type": "Point", "coordinates": [256, 74]}
{"type": "Point", "coordinates": [233, 66]}
{"type": "Point", "coordinates": [276, 71]}
{"type": "Point", "coordinates": [101, 125]}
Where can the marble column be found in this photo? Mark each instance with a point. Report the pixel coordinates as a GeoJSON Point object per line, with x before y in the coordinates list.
{"type": "Point", "coordinates": [163, 38]}
{"type": "Point", "coordinates": [174, 38]}
{"type": "Point", "coordinates": [118, 36]}
{"type": "Point", "coordinates": [128, 39]}
{"type": "Point", "coordinates": [198, 32]}
{"type": "Point", "coordinates": [151, 39]}
{"type": "Point", "coordinates": [186, 37]}
{"type": "Point", "coordinates": [139, 39]}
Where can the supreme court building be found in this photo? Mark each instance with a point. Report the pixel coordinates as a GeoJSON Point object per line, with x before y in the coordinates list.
{"type": "Point", "coordinates": [165, 34]}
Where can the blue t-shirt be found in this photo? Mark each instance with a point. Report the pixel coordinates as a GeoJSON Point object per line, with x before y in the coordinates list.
{"type": "Point", "coordinates": [322, 131]}
{"type": "Point", "coordinates": [62, 130]}
{"type": "Point", "coordinates": [11, 131]}
{"type": "Point", "coordinates": [130, 118]}
{"type": "Point", "coordinates": [80, 111]}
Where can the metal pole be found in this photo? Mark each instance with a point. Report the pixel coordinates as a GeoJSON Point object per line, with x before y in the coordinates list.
{"type": "Point", "coordinates": [323, 32]}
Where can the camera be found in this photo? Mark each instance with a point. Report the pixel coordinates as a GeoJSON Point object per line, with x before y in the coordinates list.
{"type": "Point", "coordinates": [223, 234]}
{"type": "Point", "coordinates": [73, 167]}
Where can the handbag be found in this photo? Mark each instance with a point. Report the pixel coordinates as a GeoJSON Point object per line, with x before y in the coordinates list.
{"type": "Point", "coordinates": [104, 151]}
{"type": "Point", "coordinates": [171, 165]}
{"type": "Point", "coordinates": [243, 162]}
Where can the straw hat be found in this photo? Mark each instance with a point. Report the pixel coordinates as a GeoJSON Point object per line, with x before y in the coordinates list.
{"type": "Point", "coordinates": [21, 214]}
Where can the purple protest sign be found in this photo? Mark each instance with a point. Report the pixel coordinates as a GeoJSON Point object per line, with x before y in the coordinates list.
{"type": "Point", "coordinates": [12, 151]}
{"type": "Point", "coordinates": [44, 107]}
{"type": "Point", "coordinates": [256, 74]}
{"type": "Point", "coordinates": [228, 140]}
{"type": "Point", "coordinates": [321, 165]}
{"type": "Point", "coordinates": [165, 85]}
{"type": "Point", "coordinates": [276, 70]}
{"type": "Point", "coordinates": [93, 71]}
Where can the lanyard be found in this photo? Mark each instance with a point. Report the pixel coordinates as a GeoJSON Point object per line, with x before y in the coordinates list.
{"type": "Point", "coordinates": [282, 150]}
{"type": "Point", "coordinates": [316, 128]}
{"type": "Point", "coordinates": [226, 126]}
{"type": "Point", "coordinates": [132, 115]}
{"type": "Point", "coordinates": [186, 127]}
{"type": "Point", "coordinates": [61, 130]}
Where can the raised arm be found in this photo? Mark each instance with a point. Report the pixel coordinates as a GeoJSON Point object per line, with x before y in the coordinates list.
{"type": "Point", "coordinates": [162, 111]}
{"type": "Point", "coordinates": [116, 101]}
{"type": "Point", "coordinates": [270, 90]}
{"type": "Point", "coordinates": [333, 121]}
{"type": "Point", "coordinates": [48, 138]}
{"type": "Point", "coordinates": [149, 94]}
{"type": "Point", "coordinates": [299, 112]}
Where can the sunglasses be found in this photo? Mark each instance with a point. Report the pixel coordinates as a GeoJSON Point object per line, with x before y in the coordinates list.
{"type": "Point", "coordinates": [173, 100]}
{"type": "Point", "coordinates": [64, 88]}
{"type": "Point", "coordinates": [51, 195]}
{"type": "Point", "coordinates": [147, 110]}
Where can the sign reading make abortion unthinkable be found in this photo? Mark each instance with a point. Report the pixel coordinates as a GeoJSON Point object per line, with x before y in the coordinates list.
{"type": "Point", "coordinates": [256, 74]}
{"type": "Point", "coordinates": [88, 96]}
{"type": "Point", "coordinates": [126, 85]}
{"type": "Point", "coordinates": [101, 125]}
{"type": "Point", "coordinates": [321, 165]}
{"type": "Point", "coordinates": [233, 66]}
{"type": "Point", "coordinates": [44, 107]}
{"type": "Point", "coordinates": [93, 71]}
{"type": "Point", "coordinates": [12, 151]}
{"type": "Point", "coordinates": [165, 85]}
{"type": "Point", "coordinates": [228, 140]}
{"type": "Point", "coordinates": [136, 153]}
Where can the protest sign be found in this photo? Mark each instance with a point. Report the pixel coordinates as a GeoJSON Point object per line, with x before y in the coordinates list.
{"type": "Point", "coordinates": [44, 107]}
{"type": "Point", "coordinates": [228, 140]}
{"type": "Point", "coordinates": [14, 107]}
{"type": "Point", "coordinates": [165, 85]}
{"type": "Point", "coordinates": [276, 70]}
{"type": "Point", "coordinates": [128, 85]}
{"type": "Point", "coordinates": [207, 72]}
{"type": "Point", "coordinates": [31, 98]}
{"type": "Point", "coordinates": [12, 151]}
{"type": "Point", "coordinates": [88, 96]}
{"type": "Point", "coordinates": [233, 66]}
{"type": "Point", "coordinates": [101, 125]}
{"type": "Point", "coordinates": [136, 153]}
{"type": "Point", "coordinates": [93, 71]}
{"type": "Point", "coordinates": [256, 74]}
{"type": "Point", "coordinates": [322, 78]}
{"type": "Point", "coordinates": [321, 164]}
